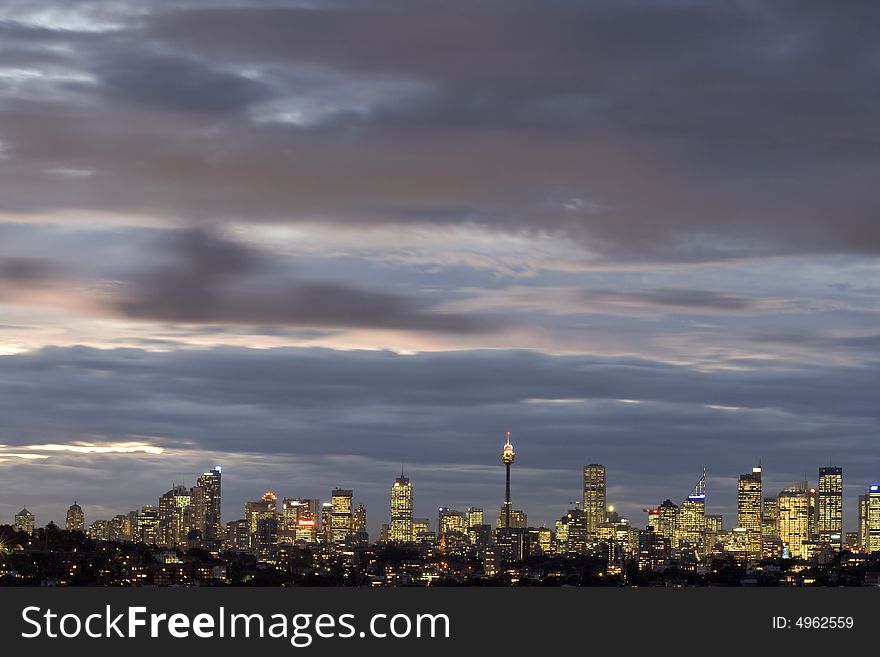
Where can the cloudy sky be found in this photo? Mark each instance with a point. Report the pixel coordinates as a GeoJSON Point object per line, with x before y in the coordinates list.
{"type": "Point", "coordinates": [310, 241]}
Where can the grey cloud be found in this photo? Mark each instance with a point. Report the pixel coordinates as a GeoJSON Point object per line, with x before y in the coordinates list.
{"type": "Point", "coordinates": [27, 271]}
{"type": "Point", "coordinates": [207, 279]}
{"type": "Point", "coordinates": [686, 131]}
{"type": "Point", "coordinates": [708, 300]}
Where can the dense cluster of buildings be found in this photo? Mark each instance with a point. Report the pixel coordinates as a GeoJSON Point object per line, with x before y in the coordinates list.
{"type": "Point", "coordinates": [800, 524]}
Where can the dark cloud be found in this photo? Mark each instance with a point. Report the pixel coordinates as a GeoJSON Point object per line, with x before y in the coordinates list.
{"type": "Point", "coordinates": [207, 279]}
{"type": "Point", "coordinates": [676, 131]}
{"type": "Point", "coordinates": [27, 271]}
{"type": "Point", "coordinates": [174, 82]}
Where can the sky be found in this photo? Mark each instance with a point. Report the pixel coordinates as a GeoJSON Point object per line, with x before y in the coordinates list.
{"type": "Point", "coordinates": [318, 242]}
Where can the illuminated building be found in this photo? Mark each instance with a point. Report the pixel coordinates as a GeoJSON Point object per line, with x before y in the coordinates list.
{"type": "Point", "coordinates": [714, 531]}
{"type": "Point", "coordinates": [872, 519]}
{"type": "Point", "coordinates": [421, 530]}
{"type": "Point", "coordinates": [770, 518]}
{"type": "Point", "coordinates": [326, 519]}
{"type": "Point", "coordinates": [829, 505]}
{"type": "Point", "coordinates": [794, 519]}
{"type": "Point", "coordinates": [238, 537]}
{"type": "Point", "coordinates": [132, 526]}
{"type": "Point", "coordinates": [748, 509]}
{"type": "Point", "coordinates": [571, 533]}
{"type": "Point", "coordinates": [206, 502]}
{"type": "Point", "coordinates": [148, 525]}
{"type": "Point", "coordinates": [474, 516]}
{"type": "Point", "coordinates": [545, 540]}
{"type": "Point", "coordinates": [690, 524]}
{"type": "Point", "coordinates": [120, 528]}
{"type": "Point", "coordinates": [401, 530]}
{"type": "Point", "coordinates": [507, 458]}
{"type": "Point", "coordinates": [664, 519]}
{"type": "Point", "coordinates": [595, 499]}
{"type": "Point", "coordinates": [76, 519]}
{"type": "Point", "coordinates": [450, 520]}
{"type": "Point", "coordinates": [359, 521]}
{"type": "Point", "coordinates": [24, 522]}
{"type": "Point", "coordinates": [261, 509]}
{"type": "Point", "coordinates": [654, 549]}
{"type": "Point", "coordinates": [175, 517]}
{"type": "Point", "coordinates": [266, 539]}
{"type": "Point", "coordinates": [341, 516]}
{"type": "Point", "coordinates": [287, 521]}
{"type": "Point", "coordinates": [99, 530]}
{"type": "Point", "coordinates": [518, 519]}
{"type": "Point", "coordinates": [299, 521]}
{"type": "Point", "coordinates": [308, 522]}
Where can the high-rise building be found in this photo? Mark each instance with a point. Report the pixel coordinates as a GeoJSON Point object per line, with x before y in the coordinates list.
{"type": "Point", "coordinates": [748, 510]}
{"type": "Point", "coordinates": [257, 510]}
{"type": "Point", "coordinates": [770, 518]}
{"type": "Point", "coordinates": [450, 520]}
{"type": "Point", "coordinates": [120, 528]}
{"type": "Point", "coordinates": [872, 519]}
{"type": "Point", "coordinates": [595, 498]}
{"type": "Point", "coordinates": [421, 528]}
{"type": "Point", "coordinates": [148, 525]}
{"type": "Point", "coordinates": [571, 533]}
{"type": "Point", "coordinates": [714, 530]}
{"type": "Point", "coordinates": [474, 516]}
{"type": "Point", "coordinates": [401, 530]}
{"type": "Point", "coordinates": [76, 519]}
{"type": "Point", "coordinates": [206, 501]}
{"type": "Point", "coordinates": [794, 519]}
{"type": "Point", "coordinates": [508, 455]}
{"type": "Point", "coordinates": [666, 520]}
{"type": "Point", "coordinates": [360, 519]}
{"type": "Point", "coordinates": [175, 517]}
{"type": "Point", "coordinates": [238, 538]}
{"type": "Point", "coordinates": [341, 516]}
{"type": "Point", "coordinates": [829, 506]}
{"type": "Point", "coordinates": [690, 526]}
{"type": "Point", "coordinates": [326, 521]}
{"type": "Point", "coordinates": [24, 522]}
{"type": "Point", "coordinates": [266, 539]}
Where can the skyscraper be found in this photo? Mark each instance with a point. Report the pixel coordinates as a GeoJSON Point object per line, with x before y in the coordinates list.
{"type": "Point", "coordinates": [175, 517]}
{"type": "Point", "coordinates": [261, 509]}
{"type": "Point", "coordinates": [24, 522]}
{"type": "Point", "coordinates": [341, 518]}
{"type": "Point", "coordinates": [401, 511]}
{"type": "Point", "coordinates": [148, 525]}
{"type": "Point", "coordinates": [76, 519]}
{"type": "Point", "coordinates": [829, 511]}
{"type": "Point", "coordinates": [794, 519]}
{"type": "Point", "coordinates": [359, 522]}
{"type": "Point", "coordinates": [770, 515]}
{"type": "Point", "coordinates": [206, 503]}
{"type": "Point", "coordinates": [507, 458]}
{"type": "Point", "coordinates": [690, 528]}
{"type": "Point", "coordinates": [872, 519]}
{"type": "Point", "coordinates": [450, 520]}
{"type": "Point", "coordinates": [748, 509]}
{"type": "Point", "coordinates": [595, 499]}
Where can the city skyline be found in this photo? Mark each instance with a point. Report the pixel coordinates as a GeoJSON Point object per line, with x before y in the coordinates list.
{"type": "Point", "coordinates": [312, 239]}
{"type": "Point", "coordinates": [594, 488]}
